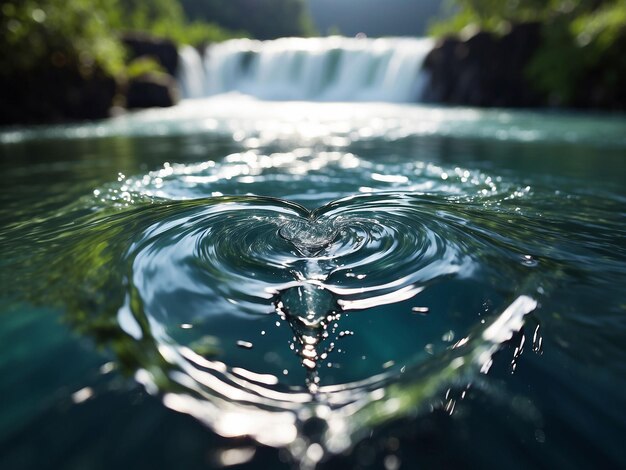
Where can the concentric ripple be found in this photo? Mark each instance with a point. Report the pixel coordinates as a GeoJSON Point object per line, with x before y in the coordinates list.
{"type": "Point", "coordinates": [244, 308]}
{"type": "Point", "coordinates": [260, 316]}
{"type": "Point", "coordinates": [305, 274]}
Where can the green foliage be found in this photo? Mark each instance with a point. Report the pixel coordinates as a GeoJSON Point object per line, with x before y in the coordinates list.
{"type": "Point", "coordinates": [497, 15]}
{"type": "Point", "coordinates": [602, 27]}
{"type": "Point", "coordinates": [558, 66]}
{"type": "Point", "coordinates": [576, 45]}
{"type": "Point", "coordinates": [489, 15]}
{"type": "Point", "coordinates": [166, 19]}
{"type": "Point", "coordinates": [263, 19]}
{"type": "Point", "coordinates": [83, 35]}
{"type": "Point", "coordinates": [453, 25]}
{"type": "Point", "coordinates": [143, 66]}
{"type": "Point", "coordinates": [590, 17]}
{"type": "Point", "coordinates": [578, 37]}
{"type": "Point", "coordinates": [59, 32]}
{"type": "Point", "coordinates": [195, 33]}
{"type": "Point", "coordinates": [142, 15]}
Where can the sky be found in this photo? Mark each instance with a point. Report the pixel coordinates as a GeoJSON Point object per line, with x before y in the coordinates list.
{"type": "Point", "coordinates": [375, 17]}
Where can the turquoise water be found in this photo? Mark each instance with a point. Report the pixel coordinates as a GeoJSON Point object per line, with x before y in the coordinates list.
{"type": "Point", "coordinates": [340, 285]}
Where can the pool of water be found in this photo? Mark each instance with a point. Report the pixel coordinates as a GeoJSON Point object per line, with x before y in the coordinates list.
{"type": "Point", "coordinates": [233, 281]}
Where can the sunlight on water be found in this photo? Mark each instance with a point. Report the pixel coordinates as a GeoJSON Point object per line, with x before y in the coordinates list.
{"type": "Point", "coordinates": [243, 306]}
{"type": "Point", "coordinates": [303, 290]}
{"type": "Point", "coordinates": [338, 124]}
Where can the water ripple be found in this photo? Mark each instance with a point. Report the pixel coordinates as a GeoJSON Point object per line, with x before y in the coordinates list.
{"type": "Point", "coordinates": [259, 315]}
{"type": "Point", "coordinates": [239, 310]}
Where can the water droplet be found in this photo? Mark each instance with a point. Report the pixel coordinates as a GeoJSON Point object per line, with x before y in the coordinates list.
{"type": "Point", "coordinates": [107, 368]}
{"type": "Point", "coordinates": [232, 457]}
{"type": "Point", "coordinates": [392, 462]}
{"type": "Point", "coordinates": [528, 260]}
{"type": "Point", "coordinates": [537, 341]}
{"type": "Point", "coordinates": [448, 337]}
{"type": "Point", "coordinates": [314, 453]}
{"type": "Point", "coordinates": [82, 395]}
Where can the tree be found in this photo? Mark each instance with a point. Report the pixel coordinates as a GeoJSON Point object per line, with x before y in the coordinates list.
{"type": "Point", "coordinates": [582, 49]}
{"type": "Point", "coordinates": [33, 32]}
{"type": "Point", "coordinates": [263, 19]}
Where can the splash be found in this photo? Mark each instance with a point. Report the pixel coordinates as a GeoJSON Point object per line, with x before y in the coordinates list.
{"type": "Point", "coordinates": [188, 280]}
{"type": "Point", "coordinates": [309, 236]}
{"type": "Point", "coordinates": [365, 293]}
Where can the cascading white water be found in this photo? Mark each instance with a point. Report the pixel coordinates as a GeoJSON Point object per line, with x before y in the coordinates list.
{"type": "Point", "coordinates": [316, 69]}
{"type": "Point", "coordinates": [191, 77]}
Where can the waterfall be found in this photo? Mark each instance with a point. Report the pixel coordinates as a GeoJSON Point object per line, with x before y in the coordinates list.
{"type": "Point", "coordinates": [316, 69]}
{"type": "Point", "coordinates": [191, 77]}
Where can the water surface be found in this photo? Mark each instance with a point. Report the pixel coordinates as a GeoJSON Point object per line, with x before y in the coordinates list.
{"type": "Point", "coordinates": [363, 284]}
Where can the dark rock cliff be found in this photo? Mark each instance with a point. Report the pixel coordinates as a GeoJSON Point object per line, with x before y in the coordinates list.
{"type": "Point", "coordinates": [484, 70]}
{"type": "Point", "coordinates": [488, 70]}
{"type": "Point", "coordinates": [152, 90]}
{"type": "Point", "coordinates": [56, 92]}
{"type": "Point", "coordinates": [53, 94]}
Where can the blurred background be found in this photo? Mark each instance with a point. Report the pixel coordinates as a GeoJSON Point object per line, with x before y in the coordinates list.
{"type": "Point", "coordinates": [66, 60]}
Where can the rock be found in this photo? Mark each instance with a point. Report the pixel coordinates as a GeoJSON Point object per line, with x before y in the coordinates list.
{"type": "Point", "coordinates": [152, 90]}
{"type": "Point", "coordinates": [602, 87]}
{"type": "Point", "coordinates": [163, 51]}
{"type": "Point", "coordinates": [51, 94]}
{"type": "Point", "coordinates": [484, 70]}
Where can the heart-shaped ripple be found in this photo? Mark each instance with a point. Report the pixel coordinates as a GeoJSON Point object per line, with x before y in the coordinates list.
{"type": "Point", "coordinates": [310, 236]}
{"type": "Point", "coordinates": [256, 315]}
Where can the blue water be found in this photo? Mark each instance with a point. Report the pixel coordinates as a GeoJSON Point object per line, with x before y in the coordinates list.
{"type": "Point", "coordinates": [314, 284]}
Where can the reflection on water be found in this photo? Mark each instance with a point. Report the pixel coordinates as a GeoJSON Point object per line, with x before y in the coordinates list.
{"type": "Point", "coordinates": [309, 291]}
{"type": "Point", "coordinates": [258, 123]}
